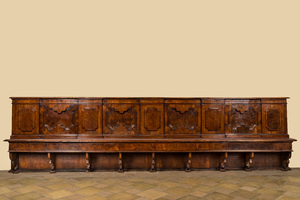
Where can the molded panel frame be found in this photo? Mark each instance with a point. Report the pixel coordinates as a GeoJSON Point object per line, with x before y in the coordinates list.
{"type": "Point", "coordinates": [274, 119]}
{"type": "Point", "coordinates": [25, 119]}
{"type": "Point", "coordinates": [152, 120]}
{"type": "Point", "coordinates": [90, 118]}
{"type": "Point", "coordinates": [213, 119]}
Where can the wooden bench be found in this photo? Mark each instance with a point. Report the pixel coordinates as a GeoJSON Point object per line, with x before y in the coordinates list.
{"type": "Point", "coordinates": [75, 134]}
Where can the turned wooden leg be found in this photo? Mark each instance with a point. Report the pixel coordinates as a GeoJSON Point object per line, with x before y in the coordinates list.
{"type": "Point", "coordinates": [285, 160]}
{"type": "Point", "coordinates": [121, 170]}
{"type": "Point", "coordinates": [14, 158]}
{"type": "Point", "coordinates": [153, 163]}
{"type": "Point", "coordinates": [189, 163]}
{"type": "Point", "coordinates": [51, 157]}
{"type": "Point", "coordinates": [223, 161]}
{"type": "Point", "coordinates": [88, 162]}
{"type": "Point", "coordinates": [248, 161]}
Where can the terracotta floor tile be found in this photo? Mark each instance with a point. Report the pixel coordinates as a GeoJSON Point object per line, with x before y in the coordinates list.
{"type": "Point", "coordinates": [198, 194]}
{"type": "Point", "coordinates": [178, 191]}
{"type": "Point", "coordinates": [291, 188]}
{"type": "Point", "coordinates": [229, 186]}
{"type": "Point", "coordinates": [152, 194]}
{"type": "Point", "coordinates": [244, 193]}
{"type": "Point", "coordinates": [122, 196]}
{"type": "Point", "coordinates": [204, 188]}
{"type": "Point", "coordinates": [218, 196]}
{"type": "Point", "coordinates": [142, 186]}
{"type": "Point", "coordinates": [88, 191]}
{"type": "Point", "coordinates": [58, 194]}
{"type": "Point", "coordinates": [4, 190]}
{"type": "Point", "coordinates": [28, 188]}
{"type": "Point", "coordinates": [57, 186]}
{"type": "Point", "coordinates": [27, 196]}
{"type": "Point", "coordinates": [284, 197]}
{"type": "Point", "coordinates": [94, 197]}
{"type": "Point", "coordinates": [189, 197]}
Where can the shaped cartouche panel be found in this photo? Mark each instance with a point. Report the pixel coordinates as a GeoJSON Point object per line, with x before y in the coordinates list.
{"type": "Point", "coordinates": [243, 116]}
{"type": "Point", "coordinates": [58, 116]}
{"type": "Point", "coordinates": [182, 117]}
{"type": "Point", "coordinates": [121, 117]}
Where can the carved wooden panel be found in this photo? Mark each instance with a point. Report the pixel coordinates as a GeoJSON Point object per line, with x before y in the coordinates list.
{"type": "Point", "coordinates": [182, 118]}
{"type": "Point", "coordinates": [90, 119]}
{"type": "Point", "coordinates": [152, 119]}
{"type": "Point", "coordinates": [212, 118]}
{"type": "Point", "coordinates": [121, 119]}
{"type": "Point", "coordinates": [26, 119]}
{"type": "Point", "coordinates": [58, 118]}
{"type": "Point", "coordinates": [243, 118]}
{"type": "Point", "coordinates": [274, 118]}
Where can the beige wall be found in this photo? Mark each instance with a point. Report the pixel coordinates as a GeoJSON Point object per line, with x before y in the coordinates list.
{"type": "Point", "coordinates": [150, 48]}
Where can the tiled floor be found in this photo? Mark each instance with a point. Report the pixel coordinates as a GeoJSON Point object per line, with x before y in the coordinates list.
{"type": "Point", "coordinates": [145, 185]}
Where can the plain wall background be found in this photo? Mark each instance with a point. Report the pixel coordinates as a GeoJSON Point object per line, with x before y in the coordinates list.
{"type": "Point", "coordinates": [150, 49]}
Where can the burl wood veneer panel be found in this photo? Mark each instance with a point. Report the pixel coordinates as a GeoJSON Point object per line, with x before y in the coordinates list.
{"type": "Point", "coordinates": [105, 161]}
{"type": "Point", "coordinates": [34, 161]}
{"type": "Point", "coordinates": [69, 162]}
{"type": "Point", "coordinates": [90, 118]}
{"type": "Point", "coordinates": [152, 120]}
{"type": "Point", "coordinates": [205, 160]}
{"type": "Point", "coordinates": [171, 161]}
{"type": "Point", "coordinates": [213, 118]}
{"type": "Point", "coordinates": [235, 161]}
{"type": "Point", "coordinates": [274, 118]}
{"type": "Point", "coordinates": [25, 118]}
{"type": "Point", "coordinates": [136, 161]}
{"type": "Point", "coordinates": [267, 160]}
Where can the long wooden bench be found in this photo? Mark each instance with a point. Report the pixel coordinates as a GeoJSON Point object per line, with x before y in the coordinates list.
{"type": "Point", "coordinates": [75, 134]}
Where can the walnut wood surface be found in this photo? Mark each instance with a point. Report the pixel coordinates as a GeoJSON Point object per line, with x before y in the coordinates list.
{"type": "Point", "coordinates": [74, 131]}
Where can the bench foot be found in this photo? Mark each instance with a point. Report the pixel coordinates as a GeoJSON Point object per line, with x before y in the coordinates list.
{"type": "Point", "coordinates": [51, 157]}
{"type": "Point", "coordinates": [285, 159]}
{"type": "Point", "coordinates": [248, 161]}
{"type": "Point", "coordinates": [88, 162]}
{"type": "Point", "coordinates": [14, 158]}
{"type": "Point", "coordinates": [223, 161]}
{"type": "Point", "coordinates": [153, 163]}
{"type": "Point", "coordinates": [121, 170]}
{"type": "Point", "coordinates": [189, 163]}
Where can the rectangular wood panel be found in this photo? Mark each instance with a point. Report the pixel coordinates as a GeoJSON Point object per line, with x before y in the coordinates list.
{"type": "Point", "coordinates": [90, 119]}
{"type": "Point", "coordinates": [274, 119]}
{"type": "Point", "coordinates": [152, 120]}
{"type": "Point", "coordinates": [212, 119]}
{"type": "Point", "coordinates": [25, 119]}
